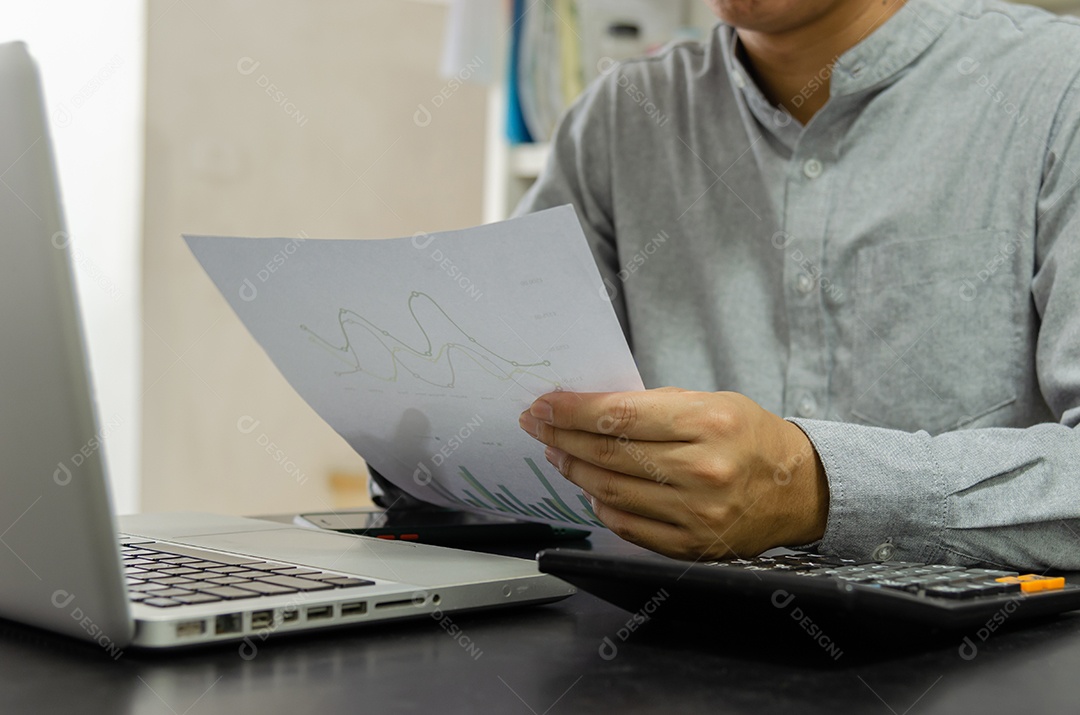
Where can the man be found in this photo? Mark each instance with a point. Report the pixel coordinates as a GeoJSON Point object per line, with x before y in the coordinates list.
{"type": "Point", "coordinates": [864, 215]}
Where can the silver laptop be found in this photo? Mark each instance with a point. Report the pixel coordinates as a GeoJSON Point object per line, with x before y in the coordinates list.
{"type": "Point", "coordinates": [163, 580]}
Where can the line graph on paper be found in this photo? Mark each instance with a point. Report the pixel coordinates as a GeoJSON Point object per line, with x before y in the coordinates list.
{"type": "Point", "coordinates": [434, 349]}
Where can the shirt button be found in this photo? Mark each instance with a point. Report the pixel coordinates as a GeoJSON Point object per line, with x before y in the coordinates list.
{"type": "Point", "coordinates": [807, 405]}
{"type": "Point", "coordinates": [884, 552]}
{"type": "Point", "coordinates": [804, 283]}
{"type": "Point", "coordinates": [813, 168]}
{"type": "Point", "coordinates": [737, 79]}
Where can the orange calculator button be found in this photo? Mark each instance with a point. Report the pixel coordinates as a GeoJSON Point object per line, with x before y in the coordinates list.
{"type": "Point", "coordinates": [1033, 583]}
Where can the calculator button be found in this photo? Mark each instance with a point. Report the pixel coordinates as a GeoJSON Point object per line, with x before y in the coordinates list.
{"type": "Point", "coordinates": [889, 575]}
{"type": "Point", "coordinates": [960, 576]}
{"type": "Point", "coordinates": [991, 588]}
{"type": "Point", "coordinates": [1032, 583]}
{"type": "Point", "coordinates": [892, 583]}
{"type": "Point", "coordinates": [1001, 589]}
{"type": "Point", "coordinates": [993, 573]}
{"type": "Point", "coordinates": [951, 592]}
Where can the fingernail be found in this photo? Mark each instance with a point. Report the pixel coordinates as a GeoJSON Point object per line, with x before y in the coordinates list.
{"type": "Point", "coordinates": [556, 456]}
{"type": "Point", "coordinates": [528, 423]}
{"type": "Point", "coordinates": [541, 410]}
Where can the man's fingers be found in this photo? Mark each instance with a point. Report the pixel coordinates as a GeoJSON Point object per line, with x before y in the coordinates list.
{"type": "Point", "coordinates": [651, 461]}
{"type": "Point", "coordinates": [643, 531]}
{"type": "Point", "coordinates": [626, 493]}
{"type": "Point", "coordinates": [667, 415]}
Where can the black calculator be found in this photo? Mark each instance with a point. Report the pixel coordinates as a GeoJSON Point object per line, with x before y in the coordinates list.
{"type": "Point", "coordinates": [822, 587]}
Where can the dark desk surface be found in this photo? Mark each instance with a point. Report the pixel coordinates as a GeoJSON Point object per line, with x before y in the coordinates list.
{"type": "Point", "coordinates": [548, 659]}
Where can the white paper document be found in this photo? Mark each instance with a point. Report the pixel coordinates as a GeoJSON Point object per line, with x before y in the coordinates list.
{"type": "Point", "coordinates": [421, 352]}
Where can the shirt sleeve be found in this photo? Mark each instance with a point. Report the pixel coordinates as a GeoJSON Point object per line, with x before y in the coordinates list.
{"type": "Point", "coordinates": [1007, 497]}
{"type": "Point", "coordinates": [578, 172]}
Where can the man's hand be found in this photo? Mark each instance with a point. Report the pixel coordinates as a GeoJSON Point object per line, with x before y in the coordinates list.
{"type": "Point", "coordinates": [693, 475]}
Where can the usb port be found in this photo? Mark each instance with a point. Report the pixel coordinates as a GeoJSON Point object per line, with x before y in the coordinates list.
{"type": "Point", "coordinates": [290, 615]}
{"type": "Point", "coordinates": [354, 608]}
{"type": "Point", "coordinates": [316, 613]}
{"type": "Point", "coordinates": [229, 623]}
{"type": "Point", "coordinates": [262, 619]}
{"type": "Point", "coordinates": [188, 629]}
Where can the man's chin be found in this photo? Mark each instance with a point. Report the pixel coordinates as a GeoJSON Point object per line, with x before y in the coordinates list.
{"type": "Point", "coordinates": [771, 16]}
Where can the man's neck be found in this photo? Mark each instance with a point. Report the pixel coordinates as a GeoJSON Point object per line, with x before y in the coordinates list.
{"type": "Point", "coordinates": [794, 68]}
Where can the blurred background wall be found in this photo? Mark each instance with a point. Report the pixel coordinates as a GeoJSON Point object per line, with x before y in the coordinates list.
{"type": "Point", "coordinates": [278, 118]}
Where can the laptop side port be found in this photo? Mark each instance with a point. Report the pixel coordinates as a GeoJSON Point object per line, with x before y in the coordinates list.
{"type": "Point", "coordinates": [228, 623]}
{"type": "Point", "coordinates": [262, 619]}
{"type": "Point", "coordinates": [290, 615]}
{"type": "Point", "coordinates": [353, 608]}
{"type": "Point", "coordinates": [189, 629]}
{"type": "Point", "coordinates": [317, 613]}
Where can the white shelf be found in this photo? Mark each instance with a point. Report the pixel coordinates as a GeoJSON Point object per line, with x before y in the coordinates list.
{"type": "Point", "coordinates": [528, 160]}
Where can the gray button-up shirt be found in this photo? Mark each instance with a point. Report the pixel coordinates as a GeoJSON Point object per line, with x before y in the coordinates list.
{"type": "Point", "coordinates": [900, 277]}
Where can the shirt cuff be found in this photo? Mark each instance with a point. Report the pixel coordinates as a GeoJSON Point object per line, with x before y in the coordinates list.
{"type": "Point", "coordinates": [886, 493]}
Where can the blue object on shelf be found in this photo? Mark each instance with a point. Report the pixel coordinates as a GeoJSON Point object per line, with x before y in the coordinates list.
{"type": "Point", "coordinates": [517, 132]}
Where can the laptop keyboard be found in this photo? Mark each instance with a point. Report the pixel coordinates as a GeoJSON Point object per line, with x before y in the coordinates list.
{"type": "Point", "coordinates": [927, 580]}
{"type": "Point", "coordinates": [166, 575]}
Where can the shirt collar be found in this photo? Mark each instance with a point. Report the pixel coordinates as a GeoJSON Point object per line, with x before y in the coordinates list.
{"type": "Point", "coordinates": [892, 47]}
{"type": "Point", "coordinates": [876, 60]}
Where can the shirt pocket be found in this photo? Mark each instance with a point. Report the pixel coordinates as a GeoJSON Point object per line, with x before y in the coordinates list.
{"type": "Point", "coordinates": [937, 330]}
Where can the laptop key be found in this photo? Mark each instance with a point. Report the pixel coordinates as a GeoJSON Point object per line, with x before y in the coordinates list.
{"type": "Point", "coordinates": [300, 584]}
{"type": "Point", "coordinates": [268, 589]}
{"type": "Point", "coordinates": [225, 580]}
{"type": "Point", "coordinates": [297, 571]}
{"type": "Point", "coordinates": [201, 585]}
{"type": "Point", "coordinates": [161, 602]}
{"type": "Point", "coordinates": [136, 552]}
{"type": "Point", "coordinates": [158, 566]}
{"type": "Point", "coordinates": [271, 567]}
{"type": "Point", "coordinates": [198, 598]}
{"type": "Point", "coordinates": [135, 561]}
{"type": "Point", "coordinates": [346, 582]}
{"type": "Point", "coordinates": [170, 592]}
{"type": "Point", "coordinates": [127, 539]}
{"type": "Point", "coordinates": [230, 593]}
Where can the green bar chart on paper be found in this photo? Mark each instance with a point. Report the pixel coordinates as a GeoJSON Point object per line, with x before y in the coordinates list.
{"type": "Point", "coordinates": [552, 506]}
